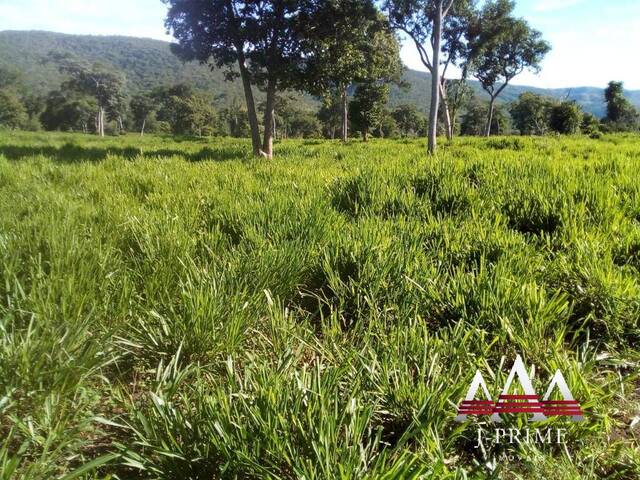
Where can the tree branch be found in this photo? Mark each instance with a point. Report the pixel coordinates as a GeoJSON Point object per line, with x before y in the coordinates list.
{"type": "Point", "coordinates": [424, 56]}
{"type": "Point", "coordinates": [446, 7]}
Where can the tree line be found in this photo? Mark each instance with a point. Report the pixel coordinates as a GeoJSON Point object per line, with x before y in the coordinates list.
{"type": "Point", "coordinates": [344, 53]}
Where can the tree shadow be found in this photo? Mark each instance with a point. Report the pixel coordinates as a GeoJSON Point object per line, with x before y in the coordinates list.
{"type": "Point", "coordinates": [71, 153]}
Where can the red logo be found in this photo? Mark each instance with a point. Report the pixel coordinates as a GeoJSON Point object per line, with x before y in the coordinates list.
{"type": "Point", "coordinates": [529, 402]}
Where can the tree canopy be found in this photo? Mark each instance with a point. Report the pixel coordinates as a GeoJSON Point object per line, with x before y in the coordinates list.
{"type": "Point", "coordinates": [502, 47]}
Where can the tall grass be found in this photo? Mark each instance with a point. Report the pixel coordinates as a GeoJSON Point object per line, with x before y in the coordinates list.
{"type": "Point", "coordinates": [175, 309]}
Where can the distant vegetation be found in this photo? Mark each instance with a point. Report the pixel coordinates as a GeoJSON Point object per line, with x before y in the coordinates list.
{"type": "Point", "coordinates": [149, 65]}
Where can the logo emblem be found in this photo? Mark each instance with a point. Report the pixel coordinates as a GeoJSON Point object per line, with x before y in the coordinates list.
{"type": "Point", "coordinates": [526, 403]}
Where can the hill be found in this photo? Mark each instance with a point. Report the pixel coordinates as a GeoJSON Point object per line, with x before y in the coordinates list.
{"type": "Point", "coordinates": [591, 99]}
{"type": "Point", "coordinates": [150, 63]}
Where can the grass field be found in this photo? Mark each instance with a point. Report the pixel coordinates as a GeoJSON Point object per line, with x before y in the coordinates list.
{"type": "Point", "coordinates": [175, 309]}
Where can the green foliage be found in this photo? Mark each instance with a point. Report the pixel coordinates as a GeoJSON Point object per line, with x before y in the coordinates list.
{"type": "Point", "coordinates": [368, 107]}
{"type": "Point", "coordinates": [531, 113]}
{"type": "Point", "coordinates": [474, 119]}
{"type": "Point", "coordinates": [590, 125]}
{"type": "Point", "coordinates": [68, 111]}
{"type": "Point", "coordinates": [12, 112]}
{"type": "Point", "coordinates": [621, 115]}
{"type": "Point", "coordinates": [149, 64]}
{"type": "Point", "coordinates": [330, 115]}
{"type": "Point", "coordinates": [186, 111]}
{"type": "Point", "coordinates": [350, 43]}
{"type": "Point", "coordinates": [566, 118]}
{"type": "Point", "coordinates": [190, 313]}
{"type": "Point", "coordinates": [502, 46]}
{"type": "Point", "coordinates": [141, 108]}
{"type": "Point", "coordinates": [410, 121]}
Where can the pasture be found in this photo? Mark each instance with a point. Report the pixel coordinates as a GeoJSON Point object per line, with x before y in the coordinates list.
{"type": "Point", "coordinates": [176, 309]}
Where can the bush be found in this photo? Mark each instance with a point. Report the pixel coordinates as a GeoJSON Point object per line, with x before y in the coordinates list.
{"type": "Point", "coordinates": [566, 118]}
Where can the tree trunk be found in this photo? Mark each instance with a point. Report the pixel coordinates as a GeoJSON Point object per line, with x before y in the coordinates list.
{"type": "Point", "coordinates": [267, 144]}
{"type": "Point", "coordinates": [275, 125]}
{"type": "Point", "coordinates": [365, 134]}
{"type": "Point", "coordinates": [251, 106]}
{"type": "Point", "coordinates": [144, 122]}
{"type": "Point", "coordinates": [445, 107]}
{"type": "Point", "coordinates": [345, 115]}
{"type": "Point", "coordinates": [487, 130]}
{"type": "Point", "coordinates": [435, 79]}
{"type": "Point", "coordinates": [100, 129]}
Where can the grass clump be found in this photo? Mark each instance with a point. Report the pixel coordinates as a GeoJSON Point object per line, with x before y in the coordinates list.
{"type": "Point", "coordinates": [179, 310]}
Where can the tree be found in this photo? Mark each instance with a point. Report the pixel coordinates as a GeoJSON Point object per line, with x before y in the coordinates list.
{"type": "Point", "coordinates": [387, 126]}
{"type": "Point", "coordinates": [531, 113]}
{"type": "Point", "coordinates": [292, 120]}
{"type": "Point", "coordinates": [69, 111]}
{"type": "Point", "coordinates": [475, 117]}
{"type": "Point", "coordinates": [34, 105]}
{"type": "Point", "coordinates": [502, 47]}
{"type": "Point", "coordinates": [195, 116]}
{"type": "Point", "coordinates": [368, 106]}
{"type": "Point", "coordinates": [186, 111]}
{"type": "Point", "coordinates": [455, 51]}
{"type": "Point", "coordinates": [305, 125]}
{"type": "Point", "coordinates": [103, 84]}
{"type": "Point", "coordinates": [264, 39]}
{"type": "Point", "coordinates": [12, 112]}
{"type": "Point", "coordinates": [566, 117]}
{"type": "Point", "coordinates": [331, 116]}
{"type": "Point", "coordinates": [236, 119]}
{"type": "Point", "coordinates": [421, 20]}
{"type": "Point", "coordinates": [350, 43]}
{"type": "Point", "coordinates": [409, 120]}
{"type": "Point", "coordinates": [141, 107]}
{"type": "Point", "coordinates": [621, 115]}
{"type": "Point", "coordinates": [457, 95]}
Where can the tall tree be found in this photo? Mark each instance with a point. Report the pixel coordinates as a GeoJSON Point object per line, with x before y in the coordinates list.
{"type": "Point", "coordinates": [331, 115]}
{"type": "Point", "coordinates": [141, 107]}
{"type": "Point", "coordinates": [457, 93]}
{"type": "Point", "coordinates": [217, 33]}
{"type": "Point", "coordinates": [263, 38]}
{"type": "Point", "coordinates": [502, 47]}
{"type": "Point", "coordinates": [566, 118]}
{"type": "Point", "coordinates": [368, 106]}
{"type": "Point", "coordinates": [455, 52]}
{"type": "Point", "coordinates": [351, 42]}
{"type": "Point", "coordinates": [422, 21]}
{"type": "Point", "coordinates": [621, 115]}
{"type": "Point", "coordinates": [105, 85]}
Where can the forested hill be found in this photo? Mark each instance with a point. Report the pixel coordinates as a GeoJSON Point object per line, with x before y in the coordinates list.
{"type": "Point", "coordinates": [149, 63]}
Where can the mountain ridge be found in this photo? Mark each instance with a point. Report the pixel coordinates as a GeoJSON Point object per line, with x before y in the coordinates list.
{"type": "Point", "coordinates": [148, 63]}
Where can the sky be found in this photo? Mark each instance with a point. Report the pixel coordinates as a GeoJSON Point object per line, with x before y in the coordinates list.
{"type": "Point", "coordinates": [593, 41]}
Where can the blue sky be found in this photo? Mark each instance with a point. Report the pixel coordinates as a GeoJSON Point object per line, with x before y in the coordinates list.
{"type": "Point", "coordinates": [593, 41]}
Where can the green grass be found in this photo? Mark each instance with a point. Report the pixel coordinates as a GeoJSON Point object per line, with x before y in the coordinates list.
{"type": "Point", "coordinates": [175, 309]}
